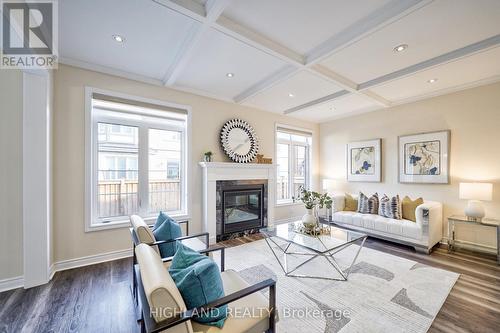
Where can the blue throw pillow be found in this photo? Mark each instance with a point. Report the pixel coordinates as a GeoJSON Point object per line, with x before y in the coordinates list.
{"type": "Point", "coordinates": [168, 230]}
{"type": "Point", "coordinates": [162, 217]}
{"type": "Point", "coordinates": [199, 281]}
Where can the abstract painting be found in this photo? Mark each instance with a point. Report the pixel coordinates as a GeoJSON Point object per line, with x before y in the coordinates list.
{"type": "Point", "coordinates": [423, 158]}
{"type": "Point", "coordinates": [364, 161]}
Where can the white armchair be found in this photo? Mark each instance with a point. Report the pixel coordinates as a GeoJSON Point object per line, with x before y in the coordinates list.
{"type": "Point", "coordinates": [164, 310]}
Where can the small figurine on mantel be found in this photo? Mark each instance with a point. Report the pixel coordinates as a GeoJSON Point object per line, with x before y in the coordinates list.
{"type": "Point", "coordinates": [264, 160]}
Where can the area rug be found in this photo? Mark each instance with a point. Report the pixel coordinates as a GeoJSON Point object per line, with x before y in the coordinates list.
{"type": "Point", "coordinates": [384, 293]}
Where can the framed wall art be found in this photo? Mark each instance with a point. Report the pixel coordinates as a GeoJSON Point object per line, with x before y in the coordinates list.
{"type": "Point", "coordinates": [364, 161]}
{"type": "Point", "coordinates": [424, 158]}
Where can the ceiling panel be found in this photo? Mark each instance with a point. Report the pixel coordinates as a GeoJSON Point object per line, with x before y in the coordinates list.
{"type": "Point", "coordinates": [467, 70]}
{"type": "Point", "coordinates": [304, 87]}
{"type": "Point", "coordinates": [152, 38]}
{"type": "Point", "coordinates": [297, 24]}
{"type": "Point", "coordinates": [218, 54]}
{"type": "Point", "coordinates": [435, 29]}
{"type": "Point", "coordinates": [344, 106]}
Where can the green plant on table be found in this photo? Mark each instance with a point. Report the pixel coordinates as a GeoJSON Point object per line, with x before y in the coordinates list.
{"type": "Point", "coordinates": [312, 199]}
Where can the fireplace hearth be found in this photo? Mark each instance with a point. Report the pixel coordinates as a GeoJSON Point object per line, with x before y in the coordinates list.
{"type": "Point", "coordinates": [241, 207]}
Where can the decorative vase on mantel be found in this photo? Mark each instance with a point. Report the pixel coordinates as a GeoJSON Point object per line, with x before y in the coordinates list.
{"type": "Point", "coordinates": [310, 220]}
{"type": "Point", "coordinates": [207, 157]}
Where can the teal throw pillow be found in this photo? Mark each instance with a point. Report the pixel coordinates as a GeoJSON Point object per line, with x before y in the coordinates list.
{"type": "Point", "coordinates": [168, 230]}
{"type": "Point", "coordinates": [162, 217]}
{"type": "Point", "coordinates": [199, 281]}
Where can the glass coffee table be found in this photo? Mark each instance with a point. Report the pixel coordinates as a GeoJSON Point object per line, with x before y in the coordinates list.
{"type": "Point", "coordinates": [331, 241]}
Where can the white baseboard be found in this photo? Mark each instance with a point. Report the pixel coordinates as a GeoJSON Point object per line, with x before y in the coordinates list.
{"type": "Point", "coordinates": [52, 271]}
{"type": "Point", "coordinates": [90, 260]}
{"type": "Point", "coordinates": [11, 283]}
{"type": "Point", "coordinates": [18, 282]}
{"type": "Point", "coordinates": [472, 246]}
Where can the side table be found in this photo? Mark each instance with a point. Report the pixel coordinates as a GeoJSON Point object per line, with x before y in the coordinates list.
{"type": "Point", "coordinates": [452, 220]}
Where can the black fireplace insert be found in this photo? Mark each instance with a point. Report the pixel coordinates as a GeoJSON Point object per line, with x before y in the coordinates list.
{"type": "Point", "coordinates": [241, 207]}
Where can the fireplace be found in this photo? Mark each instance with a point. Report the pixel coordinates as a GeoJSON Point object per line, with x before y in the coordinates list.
{"type": "Point", "coordinates": [218, 176]}
{"type": "Point", "coordinates": [241, 207]}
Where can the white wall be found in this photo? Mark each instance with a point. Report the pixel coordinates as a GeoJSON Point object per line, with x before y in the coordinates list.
{"type": "Point", "coordinates": [473, 116]}
{"type": "Point", "coordinates": [208, 116]}
{"type": "Point", "coordinates": [11, 166]}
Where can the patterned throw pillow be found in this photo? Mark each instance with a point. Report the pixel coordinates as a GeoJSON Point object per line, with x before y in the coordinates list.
{"type": "Point", "coordinates": [390, 207]}
{"type": "Point", "coordinates": [367, 205]}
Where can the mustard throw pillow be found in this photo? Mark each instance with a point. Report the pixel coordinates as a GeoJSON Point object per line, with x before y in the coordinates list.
{"type": "Point", "coordinates": [409, 207]}
{"type": "Point", "coordinates": [351, 204]}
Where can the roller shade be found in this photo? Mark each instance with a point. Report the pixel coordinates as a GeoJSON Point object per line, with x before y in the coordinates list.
{"type": "Point", "coordinates": [135, 103]}
{"type": "Point", "coordinates": [294, 131]}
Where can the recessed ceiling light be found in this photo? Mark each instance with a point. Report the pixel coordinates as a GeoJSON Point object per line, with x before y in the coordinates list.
{"type": "Point", "coordinates": [400, 48]}
{"type": "Point", "coordinates": [118, 38]}
{"type": "Point", "coordinates": [291, 95]}
{"type": "Point", "coordinates": [432, 80]}
{"type": "Point", "coordinates": [230, 74]}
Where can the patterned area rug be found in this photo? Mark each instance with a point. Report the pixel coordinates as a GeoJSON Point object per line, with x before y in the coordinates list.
{"type": "Point", "coordinates": [384, 293]}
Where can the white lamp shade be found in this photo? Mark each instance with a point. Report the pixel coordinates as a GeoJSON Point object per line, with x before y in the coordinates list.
{"type": "Point", "coordinates": [476, 191]}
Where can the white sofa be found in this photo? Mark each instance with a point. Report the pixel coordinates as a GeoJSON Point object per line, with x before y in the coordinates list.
{"type": "Point", "coordinates": [423, 234]}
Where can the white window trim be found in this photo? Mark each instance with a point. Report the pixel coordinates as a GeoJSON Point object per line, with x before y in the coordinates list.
{"type": "Point", "coordinates": [90, 159]}
{"type": "Point", "coordinates": [291, 202]}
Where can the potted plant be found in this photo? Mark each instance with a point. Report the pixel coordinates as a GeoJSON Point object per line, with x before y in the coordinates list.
{"type": "Point", "coordinates": [312, 201]}
{"type": "Point", "coordinates": [208, 156]}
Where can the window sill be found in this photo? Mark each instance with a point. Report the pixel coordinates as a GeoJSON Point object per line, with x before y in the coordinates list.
{"type": "Point", "coordinates": [288, 203]}
{"type": "Point", "coordinates": [119, 224]}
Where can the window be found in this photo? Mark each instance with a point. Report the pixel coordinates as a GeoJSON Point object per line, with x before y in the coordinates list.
{"type": "Point", "coordinates": [136, 160]}
{"type": "Point", "coordinates": [293, 156]}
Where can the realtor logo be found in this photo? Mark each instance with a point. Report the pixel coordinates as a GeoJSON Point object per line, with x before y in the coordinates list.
{"type": "Point", "coordinates": [29, 31]}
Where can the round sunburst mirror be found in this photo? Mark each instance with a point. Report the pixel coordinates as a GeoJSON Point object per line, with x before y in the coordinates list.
{"type": "Point", "coordinates": [239, 141]}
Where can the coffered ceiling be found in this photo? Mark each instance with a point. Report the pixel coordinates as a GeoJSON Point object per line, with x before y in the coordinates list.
{"type": "Point", "coordinates": [315, 60]}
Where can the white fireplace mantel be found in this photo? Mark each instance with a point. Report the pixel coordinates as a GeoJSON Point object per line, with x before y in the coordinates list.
{"type": "Point", "coordinates": [214, 171]}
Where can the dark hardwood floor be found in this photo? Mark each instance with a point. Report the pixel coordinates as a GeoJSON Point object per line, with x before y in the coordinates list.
{"type": "Point", "coordinates": [97, 298]}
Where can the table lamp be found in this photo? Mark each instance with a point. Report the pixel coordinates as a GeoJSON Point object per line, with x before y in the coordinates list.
{"type": "Point", "coordinates": [328, 184]}
{"type": "Point", "coordinates": [475, 193]}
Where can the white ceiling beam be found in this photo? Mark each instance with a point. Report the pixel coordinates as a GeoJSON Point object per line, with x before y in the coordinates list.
{"type": "Point", "coordinates": [214, 9]}
{"type": "Point", "coordinates": [376, 98]}
{"type": "Point", "coordinates": [185, 53]}
{"type": "Point", "coordinates": [258, 41]}
{"type": "Point", "coordinates": [206, 16]}
{"type": "Point", "coordinates": [318, 101]}
{"type": "Point", "coordinates": [334, 77]}
{"type": "Point", "coordinates": [189, 8]}
{"type": "Point", "coordinates": [465, 51]}
{"type": "Point", "coordinates": [362, 89]}
{"type": "Point", "coordinates": [380, 18]}
{"type": "Point", "coordinates": [345, 83]}
{"type": "Point", "coordinates": [211, 16]}
{"type": "Point", "coordinates": [276, 77]}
